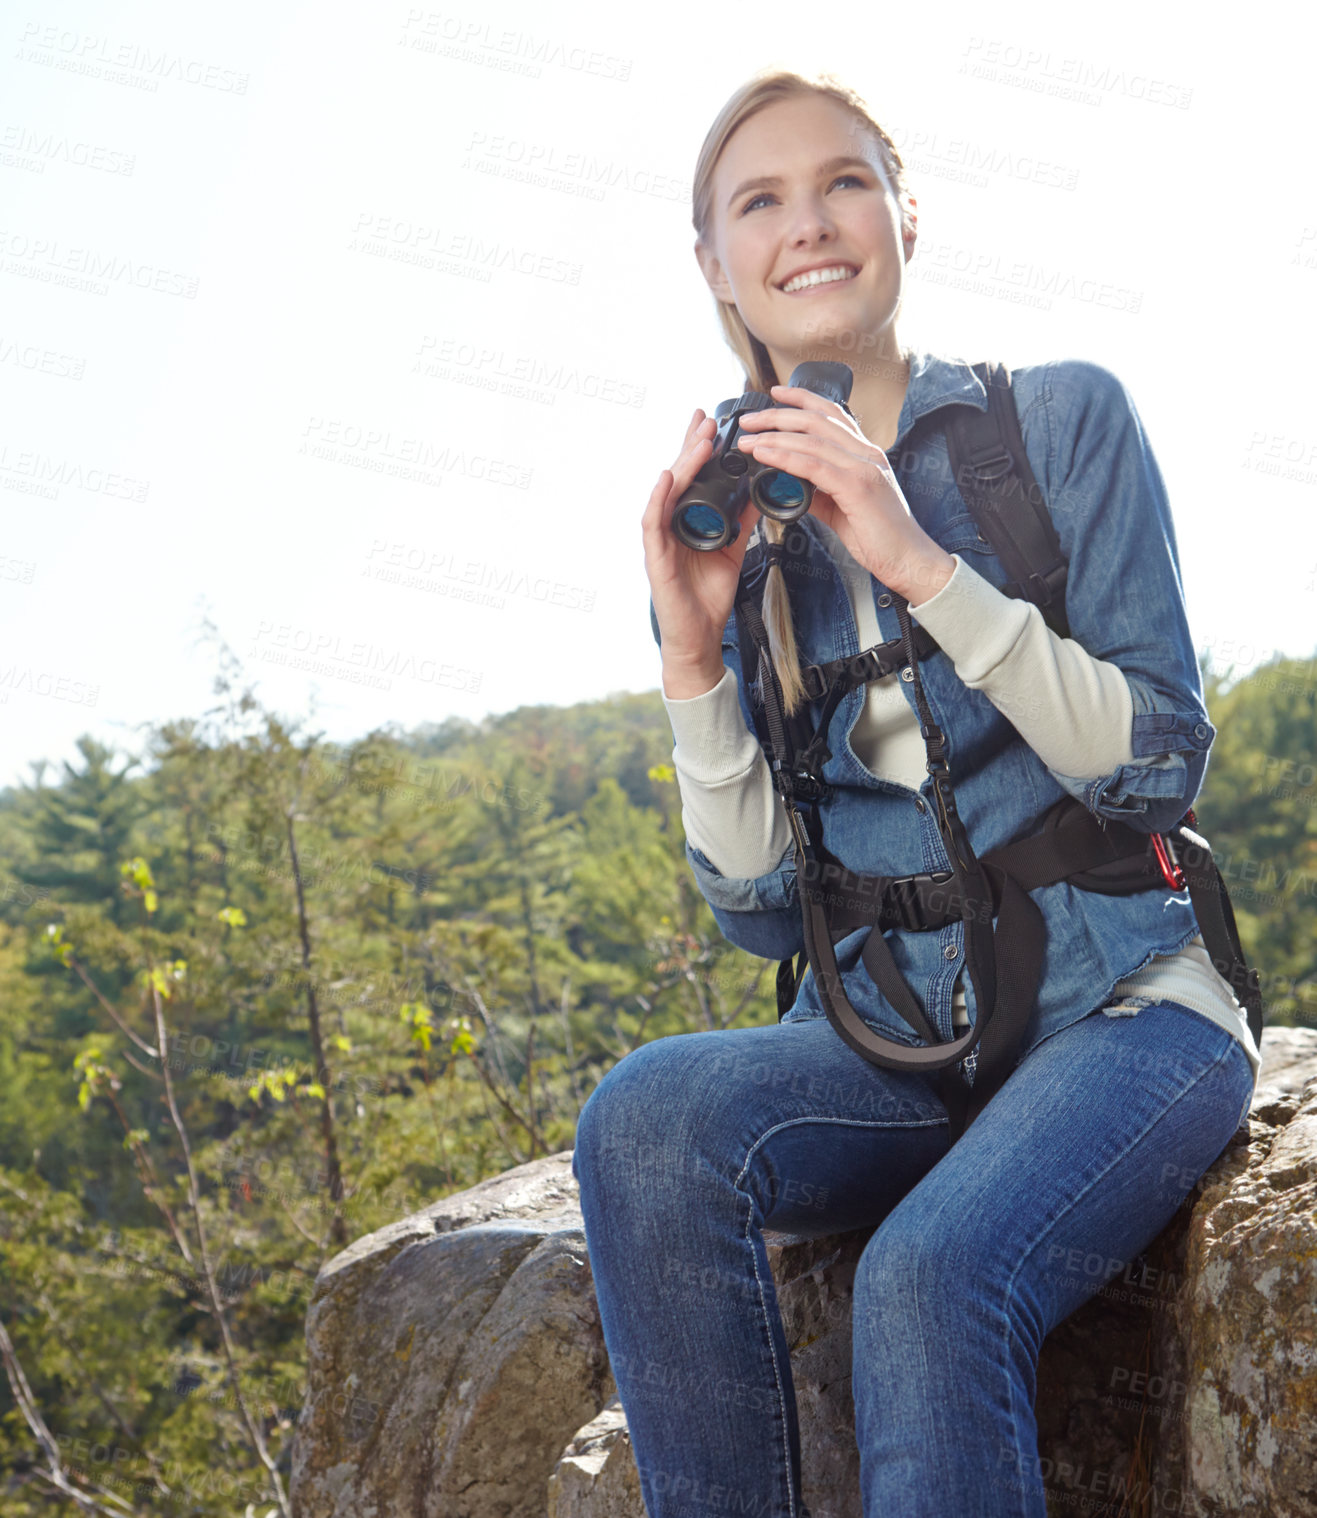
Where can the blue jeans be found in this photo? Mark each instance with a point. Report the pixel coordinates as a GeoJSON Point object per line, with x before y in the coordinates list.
{"type": "Point", "coordinates": [694, 1143]}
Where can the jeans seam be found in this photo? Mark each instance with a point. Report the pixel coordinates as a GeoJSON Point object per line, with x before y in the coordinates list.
{"type": "Point", "coordinates": [783, 1419]}
{"type": "Point", "coordinates": [754, 1260]}
{"type": "Point", "coordinates": [1073, 1202]}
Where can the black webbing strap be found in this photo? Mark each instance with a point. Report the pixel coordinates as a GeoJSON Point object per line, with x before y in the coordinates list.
{"type": "Point", "coordinates": [1216, 918]}
{"type": "Point", "coordinates": [992, 471]}
{"type": "Point", "coordinates": [1004, 963]}
{"type": "Point", "coordinates": [788, 983]}
{"type": "Point", "coordinates": [858, 669]}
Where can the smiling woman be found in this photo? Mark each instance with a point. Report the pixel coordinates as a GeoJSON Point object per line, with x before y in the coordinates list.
{"type": "Point", "coordinates": [931, 756]}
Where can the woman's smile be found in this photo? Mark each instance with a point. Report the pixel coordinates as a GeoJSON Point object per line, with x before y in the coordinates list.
{"type": "Point", "coordinates": [822, 278]}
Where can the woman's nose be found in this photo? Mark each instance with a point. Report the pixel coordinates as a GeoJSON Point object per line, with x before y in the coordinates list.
{"type": "Point", "coordinates": [811, 221]}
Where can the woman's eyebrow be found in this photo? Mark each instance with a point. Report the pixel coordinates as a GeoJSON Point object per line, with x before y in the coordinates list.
{"type": "Point", "coordinates": [775, 179]}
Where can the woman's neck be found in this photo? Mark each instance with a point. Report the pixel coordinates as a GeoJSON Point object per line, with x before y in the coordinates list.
{"type": "Point", "coordinates": [881, 373]}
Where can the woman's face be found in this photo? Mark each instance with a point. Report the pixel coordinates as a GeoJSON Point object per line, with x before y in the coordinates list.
{"type": "Point", "coordinates": [820, 214]}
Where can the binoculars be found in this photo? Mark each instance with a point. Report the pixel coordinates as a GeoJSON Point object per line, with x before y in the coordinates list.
{"type": "Point", "coordinates": [708, 514]}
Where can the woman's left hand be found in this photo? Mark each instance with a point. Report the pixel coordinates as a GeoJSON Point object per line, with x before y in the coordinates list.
{"type": "Point", "coordinates": [855, 491]}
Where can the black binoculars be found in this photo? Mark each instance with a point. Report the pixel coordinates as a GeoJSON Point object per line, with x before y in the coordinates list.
{"type": "Point", "coordinates": [708, 513]}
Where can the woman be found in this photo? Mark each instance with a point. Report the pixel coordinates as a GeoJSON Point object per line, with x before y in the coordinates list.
{"type": "Point", "coordinates": [1137, 1064]}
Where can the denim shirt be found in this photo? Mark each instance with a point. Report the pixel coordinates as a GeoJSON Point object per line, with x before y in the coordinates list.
{"type": "Point", "coordinates": [1124, 602]}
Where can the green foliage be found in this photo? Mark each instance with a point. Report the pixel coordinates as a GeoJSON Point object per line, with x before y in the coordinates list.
{"type": "Point", "coordinates": [430, 949]}
{"type": "Point", "coordinates": [357, 978]}
{"type": "Point", "coordinates": [1258, 808]}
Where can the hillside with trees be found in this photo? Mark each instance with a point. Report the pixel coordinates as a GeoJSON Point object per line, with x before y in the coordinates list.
{"type": "Point", "coordinates": [262, 994]}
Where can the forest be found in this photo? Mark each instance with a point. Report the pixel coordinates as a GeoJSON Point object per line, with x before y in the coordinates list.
{"type": "Point", "coordinates": [263, 994]}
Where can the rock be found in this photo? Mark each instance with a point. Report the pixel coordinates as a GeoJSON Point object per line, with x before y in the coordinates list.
{"type": "Point", "coordinates": [1243, 1334]}
{"type": "Point", "coordinates": [452, 1356]}
{"type": "Point", "coordinates": [597, 1475]}
{"type": "Point", "coordinates": [1187, 1384]}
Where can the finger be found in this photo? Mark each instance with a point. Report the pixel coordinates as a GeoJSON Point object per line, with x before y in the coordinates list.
{"type": "Point", "coordinates": [696, 428]}
{"type": "Point", "coordinates": [805, 400]}
{"type": "Point", "coordinates": [652, 519]}
{"type": "Point", "coordinates": [795, 419]}
{"type": "Point", "coordinates": [678, 481]}
{"type": "Point", "coordinates": [805, 462]}
{"type": "Point", "coordinates": [829, 447]}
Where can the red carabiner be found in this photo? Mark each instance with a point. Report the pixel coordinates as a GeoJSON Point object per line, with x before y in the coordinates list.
{"type": "Point", "coordinates": [1171, 871]}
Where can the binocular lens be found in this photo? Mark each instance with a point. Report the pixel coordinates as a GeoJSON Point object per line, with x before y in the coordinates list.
{"type": "Point", "coordinates": [702, 522]}
{"type": "Point", "coordinates": [780, 491]}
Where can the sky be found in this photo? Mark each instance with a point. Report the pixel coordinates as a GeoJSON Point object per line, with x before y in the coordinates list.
{"type": "Point", "coordinates": [360, 333]}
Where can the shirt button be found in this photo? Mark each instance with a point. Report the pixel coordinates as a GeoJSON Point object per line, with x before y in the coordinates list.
{"type": "Point", "coordinates": [884, 599]}
{"type": "Point", "coordinates": [919, 804]}
{"type": "Point", "coordinates": [907, 674]}
{"type": "Point", "coordinates": [1200, 731]}
{"type": "Point", "coordinates": [950, 951]}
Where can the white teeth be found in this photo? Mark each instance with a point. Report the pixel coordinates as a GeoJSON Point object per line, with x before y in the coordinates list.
{"type": "Point", "coordinates": [817, 277]}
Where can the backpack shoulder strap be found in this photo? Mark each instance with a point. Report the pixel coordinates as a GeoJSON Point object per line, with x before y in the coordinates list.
{"type": "Point", "coordinates": [993, 474]}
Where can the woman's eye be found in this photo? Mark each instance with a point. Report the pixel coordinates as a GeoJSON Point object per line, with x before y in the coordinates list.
{"type": "Point", "coordinates": [764, 195]}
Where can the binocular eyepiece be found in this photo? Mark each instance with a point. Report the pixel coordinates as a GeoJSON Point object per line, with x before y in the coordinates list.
{"type": "Point", "coordinates": [708, 514]}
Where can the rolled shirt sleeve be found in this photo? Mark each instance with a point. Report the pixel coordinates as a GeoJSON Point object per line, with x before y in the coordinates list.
{"type": "Point", "coordinates": [730, 808]}
{"type": "Point", "coordinates": [1073, 710]}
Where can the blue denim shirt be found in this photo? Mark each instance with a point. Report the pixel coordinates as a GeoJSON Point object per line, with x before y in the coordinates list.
{"type": "Point", "coordinates": [1125, 604]}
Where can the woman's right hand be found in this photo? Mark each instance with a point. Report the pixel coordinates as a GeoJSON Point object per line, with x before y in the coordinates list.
{"type": "Point", "coordinates": [693, 590]}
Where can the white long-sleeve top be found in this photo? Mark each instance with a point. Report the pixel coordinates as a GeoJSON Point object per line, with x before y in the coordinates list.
{"type": "Point", "coordinates": [1073, 710]}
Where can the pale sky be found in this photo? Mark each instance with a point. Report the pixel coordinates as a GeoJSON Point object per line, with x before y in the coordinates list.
{"type": "Point", "coordinates": [269, 273]}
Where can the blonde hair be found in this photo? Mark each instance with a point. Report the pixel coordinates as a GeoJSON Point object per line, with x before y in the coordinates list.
{"type": "Point", "coordinates": [768, 87]}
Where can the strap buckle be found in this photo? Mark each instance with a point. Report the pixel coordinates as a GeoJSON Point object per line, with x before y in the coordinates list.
{"type": "Point", "coordinates": [1172, 874]}
{"type": "Point", "coordinates": [798, 830]}
{"type": "Point", "coordinates": [797, 785]}
{"type": "Point", "coordinates": [992, 466]}
{"type": "Point", "coordinates": [903, 896]}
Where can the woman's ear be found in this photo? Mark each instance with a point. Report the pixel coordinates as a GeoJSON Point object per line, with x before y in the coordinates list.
{"type": "Point", "coordinates": [909, 223]}
{"type": "Point", "coordinates": [713, 273]}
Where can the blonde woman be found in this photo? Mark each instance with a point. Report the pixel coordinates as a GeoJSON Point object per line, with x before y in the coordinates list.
{"type": "Point", "coordinates": [1137, 1063]}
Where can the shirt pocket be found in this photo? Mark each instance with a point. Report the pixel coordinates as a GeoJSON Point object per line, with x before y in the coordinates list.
{"type": "Point", "coordinates": [960, 534]}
